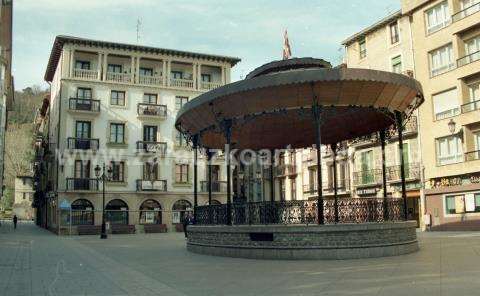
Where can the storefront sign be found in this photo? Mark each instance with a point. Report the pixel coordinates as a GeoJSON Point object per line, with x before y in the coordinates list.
{"type": "Point", "coordinates": [454, 181]}
{"type": "Point", "coordinates": [367, 191]}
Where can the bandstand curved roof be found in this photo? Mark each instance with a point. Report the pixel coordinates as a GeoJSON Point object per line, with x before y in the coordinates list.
{"type": "Point", "coordinates": [272, 107]}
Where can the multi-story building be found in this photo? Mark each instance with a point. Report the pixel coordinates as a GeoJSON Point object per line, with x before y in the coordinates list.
{"type": "Point", "coordinates": [385, 46]}
{"type": "Point", "coordinates": [115, 104]}
{"type": "Point", "coordinates": [6, 78]}
{"type": "Point", "coordinates": [446, 38]}
{"type": "Point", "coordinates": [22, 205]}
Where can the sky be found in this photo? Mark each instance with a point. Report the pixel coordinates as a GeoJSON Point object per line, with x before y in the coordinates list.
{"type": "Point", "coordinates": [249, 29]}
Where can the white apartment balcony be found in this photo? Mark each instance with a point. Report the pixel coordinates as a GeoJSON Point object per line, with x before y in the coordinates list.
{"type": "Point", "coordinates": [119, 77]}
{"type": "Point", "coordinates": [150, 72]}
{"type": "Point", "coordinates": [181, 75]}
{"type": "Point", "coordinates": [87, 106]}
{"type": "Point", "coordinates": [470, 58]}
{"type": "Point", "coordinates": [85, 74]}
{"type": "Point", "coordinates": [181, 83]}
{"type": "Point", "coordinates": [152, 147]}
{"type": "Point", "coordinates": [467, 11]}
{"type": "Point", "coordinates": [150, 80]}
{"type": "Point", "coordinates": [209, 85]}
{"type": "Point", "coordinates": [149, 185]}
{"type": "Point", "coordinates": [151, 110]}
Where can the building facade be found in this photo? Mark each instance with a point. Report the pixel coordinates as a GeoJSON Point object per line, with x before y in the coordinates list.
{"type": "Point", "coordinates": [22, 205]}
{"type": "Point", "coordinates": [386, 46]}
{"type": "Point", "coordinates": [446, 38]}
{"type": "Point", "coordinates": [6, 78]}
{"type": "Point", "coordinates": [115, 104]}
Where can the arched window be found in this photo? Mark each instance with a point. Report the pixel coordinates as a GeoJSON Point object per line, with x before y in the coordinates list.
{"type": "Point", "coordinates": [82, 212]}
{"type": "Point", "coordinates": [180, 209]}
{"type": "Point", "coordinates": [116, 212]}
{"type": "Point", "coordinates": [150, 212]}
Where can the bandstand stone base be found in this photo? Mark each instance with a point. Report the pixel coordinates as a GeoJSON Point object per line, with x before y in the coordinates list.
{"type": "Point", "coordinates": [297, 242]}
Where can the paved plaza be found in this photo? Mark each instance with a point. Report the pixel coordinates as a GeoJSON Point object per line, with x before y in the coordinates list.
{"type": "Point", "coordinates": [35, 262]}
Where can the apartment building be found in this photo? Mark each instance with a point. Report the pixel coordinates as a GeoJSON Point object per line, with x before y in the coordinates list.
{"type": "Point", "coordinates": [385, 46]}
{"type": "Point", "coordinates": [114, 104]}
{"type": "Point", "coordinates": [6, 78]}
{"type": "Point", "coordinates": [22, 205]}
{"type": "Point", "coordinates": [446, 38]}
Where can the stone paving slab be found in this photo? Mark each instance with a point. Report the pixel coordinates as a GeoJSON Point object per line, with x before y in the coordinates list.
{"type": "Point", "coordinates": [36, 262]}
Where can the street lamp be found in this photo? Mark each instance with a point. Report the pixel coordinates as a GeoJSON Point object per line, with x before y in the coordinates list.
{"type": "Point", "coordinates": [100, 174]}
{"type": "Point", "coordinates": [451, 126]}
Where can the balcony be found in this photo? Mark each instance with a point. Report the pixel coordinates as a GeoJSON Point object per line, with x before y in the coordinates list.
{"type": "Point", "coordinates": [181, 83]}
{"type": "Point", "coordinates": [343, 185]}
{"type": "Point", "coordinates": [472, 155]}
{"type": "Point", "coordinates": [367, 178]}
{"type": "Point", "coordinates": [473, 57]}
{"type": "Point", "coordinates": [412, 172]}
{"type": "Point", "coordinates": [150, 80]}
{"type": "Point", "coordinates": [148, 185]}
{"type": "Point", "coordinates": [217, 186]}
{"type": "Point", "coordinates": [209, 85]}
{"type": "Point", "coordinates": [87, 105]}
{"type": "Point", "coordinates": [82, 143]}
{"type": "Point", "coordinates": [447, 114]}
{"type": "Point", "coordinates": [144, 109]}
{"type": "Point", "coordinates": [466, 12]}
{"type": "Point", "coordinates": [472, 106]}
{"type": "Point", "coordinates": [85, 74]}
{"type": "Point", "coordinates": [119, 77]}
{"type": "Point", "coordinates": [83, 184]}
{"type": "Point", "coordinates": [285, 170]}
{"type": "Point", "coordinates": [159, 148]}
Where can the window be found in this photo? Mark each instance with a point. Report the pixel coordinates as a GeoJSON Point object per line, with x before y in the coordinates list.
{"type": "Point", "coordinates": [449, 150]}
{"type": "Point", "coordinates": [180, 140]}
{"type": "Point", "coordinates": [24, 195]}
{"type": "Point", "coordinates": [113, 68]}
{"type": "Point", "coordinates": [394, 34]}
{"type": "Point", "coordinates": [437, 17]}
{"type": "Point", "coordinates": [464, 4]}
{"type": "Point", "coordinates": [180, 101]}
{"type": "Point", "coordinates": [446, 104]}
{"type": "Point", "coordinates": [474, 91]}
{"type": "Point", "coordinates": [117, 133]}
{"type": "Point", "coordinates": [146, 71]}
{"type": "Point", "coordinates": [177, 75]}
{"type": "Point", "coordinates": [150, 98]}
{"type": "Point", "coordinates": [82, 169]}
{"type": "Point", "coordinates": [293, 189]}
{"type": "Point", "coordinates": [281, 182]}
{"type": "Point", "coordinates": [150, 133]}
{"type": "Point", "coordinates": [118, 171]}
{"type": "Point", "coordinates": [85, 65]}
{"type": "Point", "coordinates": [460, 204]}
{"type": "Point", "coordinates": [397, 64]}
{"type": "Point", "coordinates": [441, 60]}
{"type": "Point", "coordinates": [150, 171]}
{"type": "Point", "coordinates": [206, 78]}
{"type": "Point", "coordinates": [117, 98]}
{"type": "Point", "coordinates": [181, 173]}
{"type": "Point", "coordinates": [83, 129]}
{"type": "Point", "coordinates": [472, 45]}
{"type": "Point", "coordinates": [84, 93]}
{"type": "Point", "coordinates": [362, 45]}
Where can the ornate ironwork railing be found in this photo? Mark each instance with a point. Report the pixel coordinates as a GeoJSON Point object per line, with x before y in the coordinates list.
{"type": "Point", "coordinates": [412, 171]}
{"type": "Point", "coordinates": [80, 104]}
{"type": "Point", "coordinates": [152, 109]}
{"type": "Point", "coordinates": [350, 210]}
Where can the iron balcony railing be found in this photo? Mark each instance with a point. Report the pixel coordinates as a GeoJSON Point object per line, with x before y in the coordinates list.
{"type": "Point", "coordinates": [471, 106]}
{"type": "Point", "coordinates": [412, 171]}
{"type": "Point", "coordinates": [85, 184]}
{"type": "Point", "coordinates": [368, 177]}
{"type": "Point", "coordinates": [82, 143]}
{"type": "Point", "coordinates": [217, 186]}
{"type": "Point", "coordinates": [466, 12]}
{"type": "Point", "coordinates": [159, 148]}
{"type": "Point", "coordinates": [473, 57]}
{"type": "Point", "coordinates": [151, 109]}
{"type": "Point", "coordinates": [327, 186]}
{"type": "Point", "coordinates": [350, 210]}
{"type": "Point", "coordinates": [151, 185]}
{"type": "Point", "coordinates": [80, 104]}
{"type": "Point", "coordinates": [472, 155]}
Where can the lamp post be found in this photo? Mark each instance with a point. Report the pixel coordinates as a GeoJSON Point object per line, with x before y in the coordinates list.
{"type": "Point", "coordinates": [100, 174]}
{"type": "Point", "coordinates": [451, 126]}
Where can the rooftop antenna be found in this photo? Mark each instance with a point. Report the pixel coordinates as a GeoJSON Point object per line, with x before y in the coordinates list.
{"type": "Point", "coordinates": [139, 24]}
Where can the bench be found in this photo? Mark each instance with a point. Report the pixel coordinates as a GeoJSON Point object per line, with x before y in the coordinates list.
{"type": "Point", "coordinates": [155, 228]}
{"type": "Point", "coordinates": [122, 229]}
{"type": "Point", "coordinates": [89, 229]}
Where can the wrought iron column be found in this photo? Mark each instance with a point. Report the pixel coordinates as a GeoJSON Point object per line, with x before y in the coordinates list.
{"type": "Point", "coordinates": [384, 175]}
{"type": "Point", "coordinates": [272, 179]}
{"type": "Point", "coordinates": [228, 137]}
{"type": "Point", "coordinates": [317, 115]}
{"type": "Point", "coordinates": [335, 195]}
{"type": "Point", "coordinates": [195, 176]}
{"type": "Point", "coordinates": [399, 118]}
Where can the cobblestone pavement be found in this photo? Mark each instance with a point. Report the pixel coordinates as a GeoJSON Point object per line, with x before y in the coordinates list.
{"type": "Point", "coordinates": [35, 262]}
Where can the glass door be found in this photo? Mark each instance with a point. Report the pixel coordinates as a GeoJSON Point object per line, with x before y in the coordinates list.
{"type": "Point", "coordinates": [82, 134]}
{"type": "Point", "coordinates": [81, 175]}
{"type": "Point", "coordinates": [366, 159]}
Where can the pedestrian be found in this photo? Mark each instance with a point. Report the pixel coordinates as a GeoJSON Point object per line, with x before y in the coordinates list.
{"type": "Point", "coordinates": [188, 220]}
{"type": "Point", "coordinates": [15, 220]}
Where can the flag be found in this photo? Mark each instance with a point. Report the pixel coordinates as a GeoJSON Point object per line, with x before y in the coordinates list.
{"type": "Point", "coordinates": [287, 53]}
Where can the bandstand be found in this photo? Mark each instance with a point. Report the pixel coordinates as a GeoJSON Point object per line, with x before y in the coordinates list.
{"type": "Point", "coordinates": [300, 103]}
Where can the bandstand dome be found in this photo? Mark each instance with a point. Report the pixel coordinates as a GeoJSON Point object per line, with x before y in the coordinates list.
{"type": "Point", "coordinates": [272, 107]}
